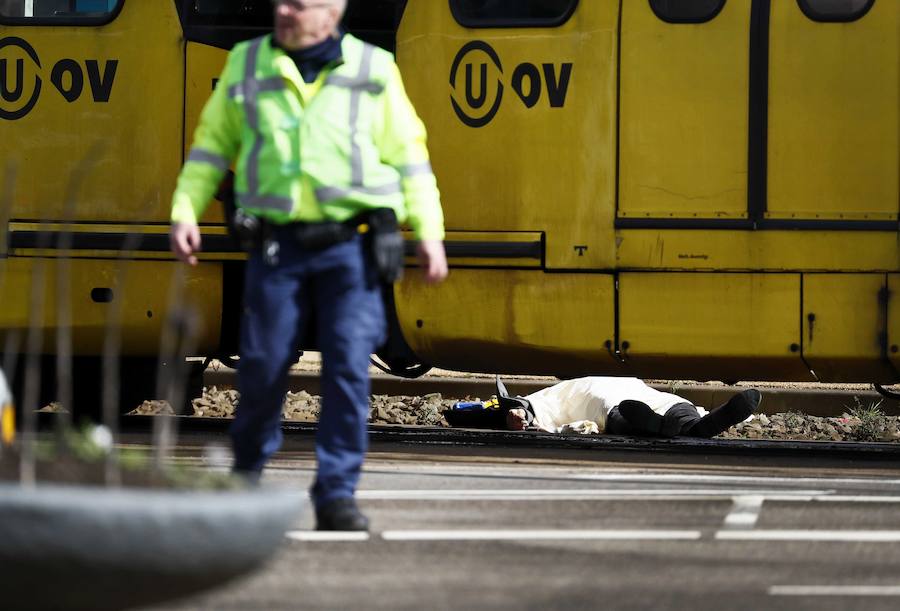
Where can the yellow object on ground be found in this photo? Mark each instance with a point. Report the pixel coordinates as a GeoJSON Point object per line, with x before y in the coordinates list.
{"type": "Point", "coordinates": [7, 424]}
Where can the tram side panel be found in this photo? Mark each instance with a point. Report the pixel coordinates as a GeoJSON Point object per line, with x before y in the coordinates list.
{"type": "Point", "coordinates": [833, 159]}
{"type": "Point", "coordinates": [94, 140]}
{"type": "Point", "coordinates": [715, 237]}
{"type": "Point", "coordinates": [684, 114]}
{"type": "Point", "coordinates": [106, 117]}
{"type": "Point", "coordinates": [522, 136]}
{"type": "Point", "coordinates": [685, 126]}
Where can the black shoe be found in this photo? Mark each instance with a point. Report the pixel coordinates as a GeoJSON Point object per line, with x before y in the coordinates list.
{"type": "Point", "coordinates": [507, 403]}
{"type": "Point", "coordinates": [640, 417]}
{"type": "Point", "coordinates": [341, 514]}
{"type": "Point", "coordinates": [737, 409]}
{"type": "Point", "coordinates": [501, 388]}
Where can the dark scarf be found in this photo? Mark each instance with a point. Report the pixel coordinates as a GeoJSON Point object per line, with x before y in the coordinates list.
{"type": "Point", "coordinates": [312, 60]}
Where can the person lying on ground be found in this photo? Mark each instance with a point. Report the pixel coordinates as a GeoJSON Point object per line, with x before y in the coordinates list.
{"type": "Point", "coordinates": [611, 405]}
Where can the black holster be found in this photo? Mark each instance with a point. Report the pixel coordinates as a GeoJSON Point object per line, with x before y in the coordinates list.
{"type": "Point", "coordinates": [385, 243]}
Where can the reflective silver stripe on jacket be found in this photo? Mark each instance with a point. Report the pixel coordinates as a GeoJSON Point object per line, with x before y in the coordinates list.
{"type": "Point", "coordinates": [273, 83]}
{"type": "Point", "coordinates": [203, 156]}
{"type": "Point", "coordinates": [416, 169]}
{"type": "Point", "coordinates": [267, 202]}
{"type": "Point", "coordinates": [357, 85]}
{"type": "Point", "coordinates": [367, 86]}
{"type": "Point", "coordinates": [327, 194]}
{"type": "Point", "coordinates": [250, 88]}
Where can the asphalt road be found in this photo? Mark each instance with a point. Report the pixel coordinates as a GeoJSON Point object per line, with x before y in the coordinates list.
{"type": "Point", "coordinates": [476, 528]}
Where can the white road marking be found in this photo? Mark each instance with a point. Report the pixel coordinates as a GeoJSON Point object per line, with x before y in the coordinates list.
{"type": "Point", "coordinates": [326, 535]}
{"type": "Point", "coordinates": [734, 479]}
{"type": "Point", "coordinates": [550, 494]}
{"type": "Point", "coordinates": [834, 591]}
{"type": "Point", "coordinates": [537, 471]}
{"type": "Point", "coordinates": [871, 498]}
{"type": "Point", "coordinates": [745, 512]}
{"type": "Point", "coordinates": [542, 535]}
{"type": "Point", "coordinates": [869, 536]}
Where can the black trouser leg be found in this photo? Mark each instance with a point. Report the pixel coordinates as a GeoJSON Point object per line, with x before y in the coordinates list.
{"type": "Point", "coordinates": [617, 425]}
{"type": "Point", "coordinates": [737, 409]}
{"type": "Point", "coordinates": [679, 419]}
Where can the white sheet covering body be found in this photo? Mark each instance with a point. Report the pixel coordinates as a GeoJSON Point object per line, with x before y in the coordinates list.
{"type": "Point", "coordinates": [569, 404]}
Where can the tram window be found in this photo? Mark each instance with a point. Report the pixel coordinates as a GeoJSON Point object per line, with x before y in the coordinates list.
{"type": "Point", "coordinates": [361, 14]}
{"type": "Point", "coordinates": [243, 13]}
{"type": "Point", "coordinates": [835, 10]}
{"type": "Point", "coordinates": [512, 13]}
{"type": "Point", "coordinates": [686, 11]}
{"type": "Point", "coordinates": [377, 15]}
{"type": "Point", "coordinates": [58, 12]}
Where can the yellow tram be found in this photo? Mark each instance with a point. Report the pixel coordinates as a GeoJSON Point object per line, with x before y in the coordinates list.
{"type": "Point", "coordinates": [661, 188]}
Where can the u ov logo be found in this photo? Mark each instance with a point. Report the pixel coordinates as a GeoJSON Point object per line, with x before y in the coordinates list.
{"type": "Point", "coordinates": [67, 76]}
{"type": "Point", "coordinates": [483, 101]}
{"type": "Point", "coordinates": [14, 93]}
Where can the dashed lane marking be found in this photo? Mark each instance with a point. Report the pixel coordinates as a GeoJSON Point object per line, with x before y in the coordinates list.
{"type": "Point", "coordinates": [868, 536]}
{"type": "Point", "coordinates": [325, 535]}
{"type": "Point", "coordinates": [744, 513]}
{"type": "Point", "coordinates": [834, 590]}
{"type": "Point", "coordinates": [542, 472]}
{"type": "Point", "coordinates": [550, 494]}
{"type": "Point", "coordinates": [539, 535]}
{"type": "Point", "coordinates": [862, 498]}
{"type": "Point", "coordinates": [735, 479]}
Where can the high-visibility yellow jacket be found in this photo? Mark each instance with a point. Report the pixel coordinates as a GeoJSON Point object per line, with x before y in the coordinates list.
{"type": "Point", "coordinates": [327, 150]}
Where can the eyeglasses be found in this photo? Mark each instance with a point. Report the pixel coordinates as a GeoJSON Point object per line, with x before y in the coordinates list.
{"type": "Point", "coordinates": [298, 6]}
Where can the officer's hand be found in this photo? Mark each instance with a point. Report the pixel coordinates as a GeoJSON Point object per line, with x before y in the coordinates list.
{"type": "Point", "coordinates": [184, 240]}
{"type": "Point", "coordinates": [433, 260]}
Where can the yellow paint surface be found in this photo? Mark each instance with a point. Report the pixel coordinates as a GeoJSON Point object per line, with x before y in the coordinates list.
{"type": "Point", "coordinates": [513, 321]}
{"type": "Point", "coordinates": [145, 292]}
{"type": "Point", "coordinates": [834, 101]}
{"type": "Point", "coordinates": [711, 325]}
{"type": "Point", "coordinates": [116, 160]}
{"type": "Point", "coordinates": [543, 168]}
{"type": "Point", "coordinates": [684, 119]}
{"type": "Point", "coordinates": [844, 322]}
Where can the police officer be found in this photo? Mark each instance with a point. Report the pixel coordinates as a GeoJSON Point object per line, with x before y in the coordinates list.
{"type": "Point", "coordinates": [324, 140]}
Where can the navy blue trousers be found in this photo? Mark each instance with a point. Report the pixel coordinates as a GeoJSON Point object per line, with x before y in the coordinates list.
{"type": "Point", "coordinates": [339, 284]}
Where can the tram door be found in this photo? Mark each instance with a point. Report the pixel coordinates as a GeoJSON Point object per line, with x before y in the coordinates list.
{"type": "Point", "coordinates": [684, 113]}
{"type": "Point", "coordinates": [685, 128]}
{"type": "Point", "coordinates": [832, 165]}
{"type": "Point", "coordinates": [833, 107]}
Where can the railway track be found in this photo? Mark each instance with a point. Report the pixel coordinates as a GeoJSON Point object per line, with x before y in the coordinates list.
{"type": "Point", "coordinates": [824, 401]}
{"type": "Point", "coordinates": [413, 438]}
{"type": "Point", "coordinates": [810, 401]}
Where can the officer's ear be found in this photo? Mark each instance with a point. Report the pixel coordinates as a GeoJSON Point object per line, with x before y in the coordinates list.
{"type": "Point", "coordinates": [336, 12]}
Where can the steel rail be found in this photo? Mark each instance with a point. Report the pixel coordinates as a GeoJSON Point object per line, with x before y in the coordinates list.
{"type": "Point", "coordinates": [421, 437]}
{"type": "Point", "coordinates": [809, 401]}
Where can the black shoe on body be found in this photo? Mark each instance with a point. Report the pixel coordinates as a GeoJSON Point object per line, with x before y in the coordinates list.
{"type": "Point", "coordinates": [341, 514]}
{"type": "Point", "coordinates": [506, 403]}
{"type": "Point", "coordinates": [737, 409]}
{"type": "Point", "coordinates": [642, 419]}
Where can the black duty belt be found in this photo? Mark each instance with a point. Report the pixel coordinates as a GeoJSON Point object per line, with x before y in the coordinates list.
{"type": "Point", "coordinates": [317, 236]}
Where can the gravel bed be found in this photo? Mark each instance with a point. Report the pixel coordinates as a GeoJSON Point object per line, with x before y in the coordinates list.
{"type": "Point", "coordinates": [863, 424]}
